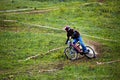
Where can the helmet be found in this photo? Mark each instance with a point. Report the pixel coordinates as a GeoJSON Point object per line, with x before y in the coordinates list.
{"type": "Point", "coordinates": [67, 28]}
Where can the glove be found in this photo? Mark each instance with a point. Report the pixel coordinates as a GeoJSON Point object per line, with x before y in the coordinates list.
{"type": "Point", "coordinates": [65, 42]}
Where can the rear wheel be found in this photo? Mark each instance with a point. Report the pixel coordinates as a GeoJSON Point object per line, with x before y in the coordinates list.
{"type": "Point", "coordinates": [70, 53]}
{"type": "Point", "coordinates": [91, 53]}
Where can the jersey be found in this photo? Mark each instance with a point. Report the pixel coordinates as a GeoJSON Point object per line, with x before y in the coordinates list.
{"type": "Point", "coordinates": [73, 34]}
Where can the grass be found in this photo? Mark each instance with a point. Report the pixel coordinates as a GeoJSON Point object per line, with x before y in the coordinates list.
{"type": "Point", "coordinates": [22, 39]}
{"type": "Point", "coordinates": [14, 4]}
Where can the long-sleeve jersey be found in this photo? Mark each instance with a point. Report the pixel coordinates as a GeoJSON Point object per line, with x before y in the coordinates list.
{"type": "Point", "coordinates": [73, 34]}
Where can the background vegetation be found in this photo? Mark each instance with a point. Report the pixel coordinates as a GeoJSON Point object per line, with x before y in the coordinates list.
{"type": "Point", "coordinates": [33, 27]}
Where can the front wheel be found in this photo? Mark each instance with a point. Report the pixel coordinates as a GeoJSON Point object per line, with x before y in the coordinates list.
{"type": "Point", "coordinates": [91, 53]}
{"type": "Point", "coordinates": [70, 53]}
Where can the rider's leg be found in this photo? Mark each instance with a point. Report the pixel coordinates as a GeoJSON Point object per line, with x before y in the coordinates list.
{"type": "Point", "coordinates": [83, 45]}
{"type": "Point", "coordinates": [76, 47]}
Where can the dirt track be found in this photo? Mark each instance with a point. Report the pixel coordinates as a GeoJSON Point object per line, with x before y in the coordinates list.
{"type": "Point", "coordinates": [97, 46]}
{"type": "Point", "coordinates": [31, 11]}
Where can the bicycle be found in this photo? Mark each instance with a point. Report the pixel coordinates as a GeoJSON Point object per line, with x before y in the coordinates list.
{"type": "Point", "coordinates": [71, 52]}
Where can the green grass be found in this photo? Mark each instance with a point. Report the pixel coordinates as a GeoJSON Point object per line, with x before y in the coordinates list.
{"type": "Point", "coordinates": [22, 4]}
{"type": "Point", "coordinates": [22, 39]}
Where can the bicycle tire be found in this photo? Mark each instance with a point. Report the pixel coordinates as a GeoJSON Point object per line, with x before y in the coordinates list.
{"type": "Point", "coordinates": [91, 53]}
{"type": "Point", "coordinates": [70, 53]}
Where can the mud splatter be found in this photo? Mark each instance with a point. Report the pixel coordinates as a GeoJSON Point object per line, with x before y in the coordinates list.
{"type": "Point", "coordinates": [98, 47]}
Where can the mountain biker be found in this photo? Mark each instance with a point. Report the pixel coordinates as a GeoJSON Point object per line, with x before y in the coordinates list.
{"type": "Point", "coordinates": [75, 35]}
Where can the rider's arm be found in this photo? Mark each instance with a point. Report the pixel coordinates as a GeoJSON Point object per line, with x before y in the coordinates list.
{"type": "Point", "coordinates": [69, 35]}
{"type": "Point", "coordinates": [67, 40]}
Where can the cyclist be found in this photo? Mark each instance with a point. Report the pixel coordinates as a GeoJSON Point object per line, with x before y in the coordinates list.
{"type": "Point", "coordinates": [75, 35]}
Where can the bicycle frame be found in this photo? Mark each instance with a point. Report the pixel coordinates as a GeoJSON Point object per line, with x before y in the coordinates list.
{"type": "Point", "coordinates": [76, 47]}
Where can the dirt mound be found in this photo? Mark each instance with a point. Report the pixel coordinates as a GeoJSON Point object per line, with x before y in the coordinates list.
{"type": "Point", "coordinates": [98, 47]}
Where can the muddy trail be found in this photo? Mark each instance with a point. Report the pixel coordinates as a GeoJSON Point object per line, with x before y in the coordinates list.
{"type": "Point", "coordinates": [28, 11]}
{"type": "Point", "coordinates": [98, 47]}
